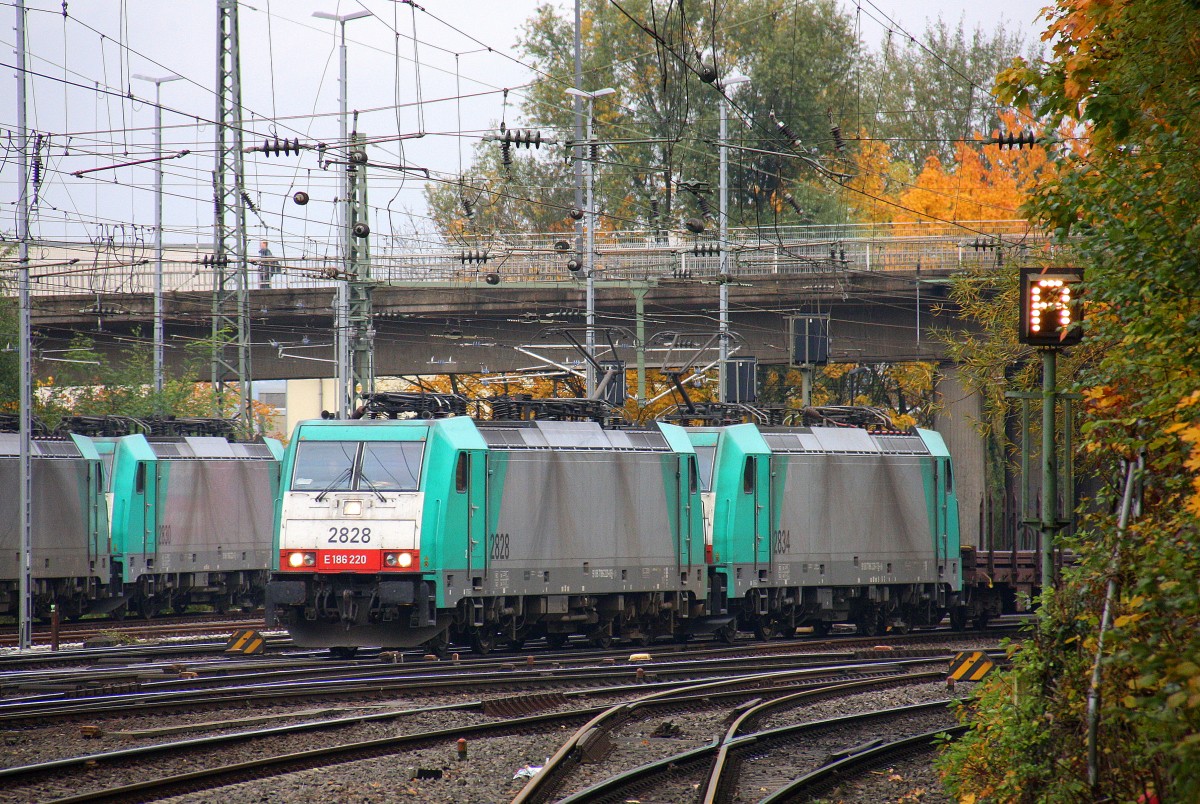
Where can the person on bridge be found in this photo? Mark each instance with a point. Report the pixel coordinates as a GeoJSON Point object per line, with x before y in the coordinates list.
{"type": "Point", "coordinates": [267, 267]}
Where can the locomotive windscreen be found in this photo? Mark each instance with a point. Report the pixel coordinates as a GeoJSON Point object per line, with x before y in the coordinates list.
{"type": "Point", "coordinates": [349, 465]}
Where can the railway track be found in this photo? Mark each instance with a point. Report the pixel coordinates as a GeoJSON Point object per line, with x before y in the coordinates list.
{"type": "Point", "coordinates": [544, 698]}
{"type": "Point", "coordinates": [83, 630]}
{"type": "Point", "coordinates": [130, 762]}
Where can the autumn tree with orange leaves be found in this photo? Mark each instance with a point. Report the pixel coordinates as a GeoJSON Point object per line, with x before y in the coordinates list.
{"type": "Point", "coordinates": [1123, 75]}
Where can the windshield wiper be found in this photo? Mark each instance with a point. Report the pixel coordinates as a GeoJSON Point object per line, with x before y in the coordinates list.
{"type": "Point", "coordinates": [363, 479]}
{"type": "Point", "coordinates": [344, 475]}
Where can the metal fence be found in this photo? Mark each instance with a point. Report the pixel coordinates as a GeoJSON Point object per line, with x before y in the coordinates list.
{"type": "Point", "coordinates": [543, 258]}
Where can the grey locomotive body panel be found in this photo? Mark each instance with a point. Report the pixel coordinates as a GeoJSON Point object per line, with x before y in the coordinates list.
{"type": "Point", "coordinates": [586, 511]}
{"type": "Point", "coordinates": [215, 515]}
{"type": "Point", "coordinates": [65, 539]}
{"type": "Point", "coordinates": [852, 519]}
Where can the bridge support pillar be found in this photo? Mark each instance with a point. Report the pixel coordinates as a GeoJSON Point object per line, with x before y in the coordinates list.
{"type": "Point", "coordinates": [961, 411]}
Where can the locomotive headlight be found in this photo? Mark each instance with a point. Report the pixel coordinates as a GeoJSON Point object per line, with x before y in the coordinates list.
{"type": "Point", "coordinates": [352, 508]}
{"type": "Point", "coordinates": [404, 559]}
{"type": "Point", "coordinates": [298, 559]}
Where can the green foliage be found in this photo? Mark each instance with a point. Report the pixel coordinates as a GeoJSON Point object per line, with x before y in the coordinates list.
{"type": "Point", "coordinates": [799, 55]}
{"type": "Point", "coordinates": [1126, 193]}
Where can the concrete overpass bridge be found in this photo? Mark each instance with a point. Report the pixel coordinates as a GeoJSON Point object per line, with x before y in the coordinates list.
{"type": "Point", "coordinates": [882, 287]}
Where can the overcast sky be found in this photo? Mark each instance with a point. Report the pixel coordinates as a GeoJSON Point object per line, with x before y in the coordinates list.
{"type": "Point", "coordinates": [85, 65]}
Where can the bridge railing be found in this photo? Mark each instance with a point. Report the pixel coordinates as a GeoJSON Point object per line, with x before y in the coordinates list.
{"type": "Point", "coordinates": [543, 258]}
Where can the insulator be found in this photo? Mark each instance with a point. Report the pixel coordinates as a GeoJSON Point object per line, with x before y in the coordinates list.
{"type": "Point", "coordinates": [1018, 141]}
{"type": "Point", "coordinates": [358, 157]}
{"type": "Point", "coordinates": [835, 131]}
{"type": "Point", "coordinates": [576, 214]}
{"type": "Point", "coordinates": [37, 169]}
{"type": "Point", "coordinates": [468, 207]}
{"type": "Point", "coordinates": [361, 229]}
{"type": "Point", "coordinates": [723, 279]}
{"type": "Point", "coordinates": [594, 151]}
{"type": "Point", "coordinates": [706, 72]}
{"type": "Point", "coordinates": [654, 209]}
{"type": "Point", "coordinates": [705, 206]}
{"type": "Point", "coordinates": [561, 245]}
{"type": "Point", "coordinates": [694, 225]}
{"type": "Point", "coordinates": [707, 249]}
{"type": "Point", "coordinates": [246, 200]}
{"type": "Point", "coordinates": [793, 203]}
{"type": "Point", "coordinates": [525, 138]}
{"type": "Point", "coordinates": [505, 152]}
{"type": "Point", "coordinates": [472, 256]}
{"type": "Point", "coordinates": [300, 198]}
{"type": "Point", "coordinates": [574, 265]}
{"type": "Point", "coordinates": [785, 130]}
{"type": "Point", "coordinates": [492, 279]}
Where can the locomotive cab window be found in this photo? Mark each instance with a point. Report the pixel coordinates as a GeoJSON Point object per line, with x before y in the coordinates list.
{"type": "Point", "coordinates": [692, 474]}
{"type": "Point", "coordinates": [707, 458]}
{"type": "Point", "coordinates": [750, 475]}
{"type": "Point", "coordinates": [462, 473]}
{"type": "Point", "coordinates": [324, 466]}
{"type": "Point", "coordinates": [948, 474]}
{"type": "Point", "coordinates": [390, 465]}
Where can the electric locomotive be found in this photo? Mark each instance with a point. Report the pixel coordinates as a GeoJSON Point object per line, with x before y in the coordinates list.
{"type": "Point", "coordinates": [192, 520]}
{"type": "Point", "coordinates": [69, 525]}
{"type": "Point", "coordinates": [400, 533]}
{"type": "Point", "coordinates": [810, 526]}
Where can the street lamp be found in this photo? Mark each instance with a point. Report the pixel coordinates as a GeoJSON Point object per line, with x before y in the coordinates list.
{"type": "Point", "coordinates": [589, 249]}
{"type": "Point", "coordinates": [589, 262]}
{"type": "Point", "coordinates": [342, 299]}
{"type": "Point", "coordinates": [723, 283]}
{"type": "Point", "coordinates": [158, 233]}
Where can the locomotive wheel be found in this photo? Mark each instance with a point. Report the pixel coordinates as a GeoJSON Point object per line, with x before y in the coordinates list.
{"type": "Point", "coordinates": [728, 634]}
{"type": "Point", "coordinates": [602, 639]}
{"type": "Point", "coordinates": [439, 646]}
{"type": "Point", "coordinates": [146, 607]}
{"type": "Point", "coordinates": [869, 623]}
{"type": "Point", "coordinates": [342, 652]}
{"type": "Point", "coordinates": [483, 642]}
{"type": "Point", "coordinates": [764, 630]}
{"type": "Point", "coordinates": [958, 619]}
{"type": "Point", "coordinates": [557, 640]}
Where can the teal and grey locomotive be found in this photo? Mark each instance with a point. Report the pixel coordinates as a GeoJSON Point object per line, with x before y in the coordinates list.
{"type": "Point", "coordinates": [400, 533]}
{"type": "Point", "coordinates": [69, 559]}
{"type": "Point", "coordinates": [408, 532]}
{"type": "Point", "coordinates": [810, 526]}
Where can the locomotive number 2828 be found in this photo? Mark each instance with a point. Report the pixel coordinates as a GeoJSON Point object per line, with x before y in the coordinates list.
{"type": "Point", "coordinates": [349, 536]}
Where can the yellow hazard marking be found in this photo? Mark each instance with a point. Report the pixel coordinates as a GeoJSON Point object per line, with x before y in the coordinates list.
{"type": "Point", "coordinates": [247, 642]}
{"type": "Point", "coordinates": [971, 666]}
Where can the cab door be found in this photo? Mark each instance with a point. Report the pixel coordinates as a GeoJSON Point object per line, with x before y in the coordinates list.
{"type": "Point", "coordinates": [689, 489]}
{"type": "Point", "coordinates": [471, 490]}
{"type": "Point", "coordinates": [755, 488]}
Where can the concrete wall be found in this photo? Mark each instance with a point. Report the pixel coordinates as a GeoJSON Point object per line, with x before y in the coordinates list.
{"type": "Point", "coordinates": [956, 421]}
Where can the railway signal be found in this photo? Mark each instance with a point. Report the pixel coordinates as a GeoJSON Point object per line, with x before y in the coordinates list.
{"type": "Point", "coordinates": [1050, 311]}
